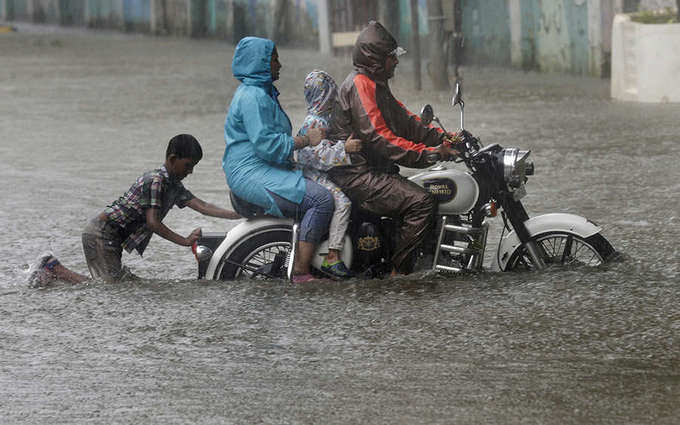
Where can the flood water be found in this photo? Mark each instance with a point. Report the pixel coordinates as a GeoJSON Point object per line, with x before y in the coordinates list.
{"type": "Point", "coordinates": [82, 115]}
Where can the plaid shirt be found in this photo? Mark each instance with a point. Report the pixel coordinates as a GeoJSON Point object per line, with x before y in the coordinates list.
{"type": "Point", "coordinates": [155, 189]}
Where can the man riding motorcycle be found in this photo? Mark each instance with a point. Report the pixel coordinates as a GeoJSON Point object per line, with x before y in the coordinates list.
{"type": "Point", "coordinates": [391, 135]}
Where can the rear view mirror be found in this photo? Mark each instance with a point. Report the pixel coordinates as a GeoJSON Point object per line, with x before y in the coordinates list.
{"type": "Point", "coordinates": [458, 95]}
{"type": "Point", "coordinates": [427, 114]}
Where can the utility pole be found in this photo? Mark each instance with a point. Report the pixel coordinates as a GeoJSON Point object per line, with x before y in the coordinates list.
{"type": "Point", "coordinates": [325, 43]}
{"type": "Point", "coordinates": [277, 31]}
{"type": "Point", "coordinates": [458, 35]}
{"type": "Point", "coordinates": [388, 15]}
{"type": "Point", "coordinates": [415, 45]}
{"type": "Point", "coordinates": [438, 58]}
{"type": "Point", "coordinates": [158, 16]}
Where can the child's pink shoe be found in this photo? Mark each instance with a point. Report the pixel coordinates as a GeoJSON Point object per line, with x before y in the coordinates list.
{"type": "Point", "coordinates": [302, 278]}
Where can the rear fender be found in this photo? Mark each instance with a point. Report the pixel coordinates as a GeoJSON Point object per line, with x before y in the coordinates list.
{"type": "Point", "coordinates": [241, 232]}
{"type": "Point", "coordinates": [554, 222]}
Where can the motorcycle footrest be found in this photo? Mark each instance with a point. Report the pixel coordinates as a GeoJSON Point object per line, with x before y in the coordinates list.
{"type": "Point", "coordinates": [442, 268]}
{"type": "Point", "coordinates": [458, 249]}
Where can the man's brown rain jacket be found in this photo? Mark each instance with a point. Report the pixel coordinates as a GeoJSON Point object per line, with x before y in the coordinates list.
{"type": "Point", "coordinates": [390, 134]}
{"type": "Point", "coordinates": [366, 108]}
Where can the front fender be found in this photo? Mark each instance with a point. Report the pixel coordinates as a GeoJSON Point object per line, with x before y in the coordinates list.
{"type": "Point", "coordinates": [554, 222]}
{"type": "Point", "coordinates": [241, 232]}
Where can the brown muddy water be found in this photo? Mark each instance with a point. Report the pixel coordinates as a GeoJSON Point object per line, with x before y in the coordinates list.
{"type": "Point", "coordinates": [82, 115]}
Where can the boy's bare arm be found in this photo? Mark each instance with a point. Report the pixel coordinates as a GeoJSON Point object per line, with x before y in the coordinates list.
{"type": "Point", "coordinates": [156, 226]}
{"type": "Point", "coordinates": [206, 208]}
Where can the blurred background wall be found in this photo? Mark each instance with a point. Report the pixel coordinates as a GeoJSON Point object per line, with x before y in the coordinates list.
{"type": "Point", "coordinates": [571, 36]}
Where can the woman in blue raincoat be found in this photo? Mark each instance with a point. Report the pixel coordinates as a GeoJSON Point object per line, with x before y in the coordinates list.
{"type": "Point", "coordinates": [259, 145]}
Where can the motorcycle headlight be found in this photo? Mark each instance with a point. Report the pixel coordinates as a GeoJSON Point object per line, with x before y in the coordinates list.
{"type": "Point", "coordinates": [515, 167]}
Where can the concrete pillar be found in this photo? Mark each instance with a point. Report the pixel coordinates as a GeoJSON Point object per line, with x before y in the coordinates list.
{"type": "Point", "coordinates": [30, 8]}
{"type": "Point", "coordinates": [645, 62]}
{"type": "Point", "coordinates": [3, 9]}
{"type": "Point", "coordinates": [414, 46]}
{"type": "Point", "coordinates": [609, 9]}
{"type": "Point", "coordinates": [211, 25]}
{"type": "Point", "coordinates": [91, 14]}
{"type": "Point", "coordinates": [190, 24]}
{"type": "Point", "coordinates": [87, 13]}
{"type": "Point", "coordinates": [153, 16]}
{"type": "Point", "coordinates": [120, 10]}
{"type": "Point", "coordinates": [515, 12]}
{"type": "Point", "coordinates": [229, 25]}
{"type": "Point", "coordinates": [324, 28]}
{"type": "Point", "coordinates": [57, 10]}
{"type": "Point", "coordinates": [595, 37]}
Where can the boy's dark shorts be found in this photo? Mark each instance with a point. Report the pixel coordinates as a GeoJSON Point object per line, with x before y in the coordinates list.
{"type": "Point", "coordinates": [103, 249]}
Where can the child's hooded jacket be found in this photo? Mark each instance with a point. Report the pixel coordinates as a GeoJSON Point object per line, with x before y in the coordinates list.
{"type": "Point", "coordinates": [321, 96]}
{"type": "Point", "coordinates": [257, 132]}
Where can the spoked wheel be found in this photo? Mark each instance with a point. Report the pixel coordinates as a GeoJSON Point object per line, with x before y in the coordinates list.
{"type": "Point", "coordinates": [260, 256]}
{"type": "Point", "coordinates": [565, 249]}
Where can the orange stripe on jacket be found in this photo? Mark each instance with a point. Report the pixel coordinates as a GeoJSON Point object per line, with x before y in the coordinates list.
{"type": "Point", "coordinates": [366, 89]}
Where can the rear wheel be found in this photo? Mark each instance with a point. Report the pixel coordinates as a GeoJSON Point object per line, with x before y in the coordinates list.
{"type": "Point", "coordinates": [261, 255]}
{"type": "Point", "coordinates": [565, 249]}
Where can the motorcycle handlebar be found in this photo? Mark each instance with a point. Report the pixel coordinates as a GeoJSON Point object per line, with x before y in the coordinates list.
{"type": "Point", "coordinates": [433, 157]}
{"type": "Point", "coordinates": [469, 144]}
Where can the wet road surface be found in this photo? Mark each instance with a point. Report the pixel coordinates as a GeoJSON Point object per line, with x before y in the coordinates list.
{"type": "Point", "coordinates": [82, 116]}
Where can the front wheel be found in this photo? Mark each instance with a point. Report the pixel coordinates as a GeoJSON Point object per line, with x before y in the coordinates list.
{"type": "Point", "coordinates": [565, 249]}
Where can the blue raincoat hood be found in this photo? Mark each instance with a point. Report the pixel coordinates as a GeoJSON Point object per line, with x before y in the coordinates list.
{"type": "Point", "coordinates": [252, 61]}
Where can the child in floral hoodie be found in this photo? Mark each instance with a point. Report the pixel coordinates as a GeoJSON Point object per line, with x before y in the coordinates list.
{"type": "Point", "coordinates": [320, 94]}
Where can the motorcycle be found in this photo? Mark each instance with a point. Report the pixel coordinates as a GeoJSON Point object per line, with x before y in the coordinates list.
{"type": "Point", "coordinates": [495, 181]}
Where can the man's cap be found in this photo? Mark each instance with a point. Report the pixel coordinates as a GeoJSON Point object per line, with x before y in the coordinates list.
{"type": "Point", "coordinates": [398, 51]}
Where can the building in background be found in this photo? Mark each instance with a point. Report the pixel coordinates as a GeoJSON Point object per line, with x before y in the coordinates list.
{"type": "Point", "coordinates": [571, 36]}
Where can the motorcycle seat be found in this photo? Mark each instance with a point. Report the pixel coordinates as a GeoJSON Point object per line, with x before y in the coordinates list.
{"type": "Point", "coordinates": [245, 208]}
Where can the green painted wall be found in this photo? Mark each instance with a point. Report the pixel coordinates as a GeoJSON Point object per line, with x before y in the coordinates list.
{"type": "Point", "coordinates": [549, 35]}
{"type": "Point", "coordinates": [71, 12]}
{"type": "Point", "coordinates": [17, 10]}
{"type": "Point", "coordinates": [529, 27]}
{"type": "Point", "coordinates": [219, 22]}
{"type": "Point", "coordinates": [405, 21]}
{"type": "Point", "coordinates": [103, 14]}
{"type": "Point", "coordinates": [562, 36]}
{"type": "Point", "coordinates": [555, 35]}
{"type": "Point", "coordinates": [486, 27]}
{"type": "Point", "coordinates": [577, 40]}
{"type": "Point", "coordinates": [47, 11]}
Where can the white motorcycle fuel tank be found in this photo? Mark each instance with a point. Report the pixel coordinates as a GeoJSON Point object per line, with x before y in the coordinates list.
{"type": "Point", "coordinates": [455, 191]}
